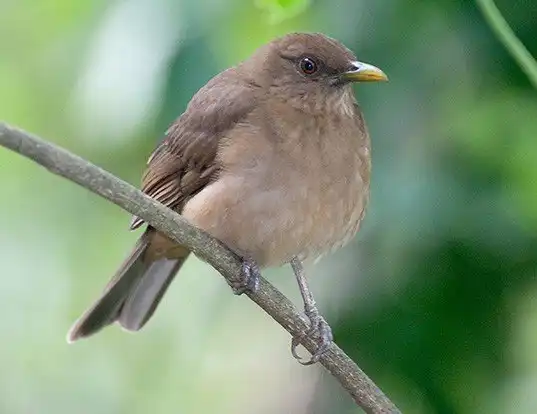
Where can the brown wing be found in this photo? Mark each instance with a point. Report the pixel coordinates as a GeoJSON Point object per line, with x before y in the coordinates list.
{"type": "Point", "coordinates": [185, 162]}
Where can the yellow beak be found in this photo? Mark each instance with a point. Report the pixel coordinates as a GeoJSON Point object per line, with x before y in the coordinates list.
{"type": "Point", "coordinates": [364, 72]}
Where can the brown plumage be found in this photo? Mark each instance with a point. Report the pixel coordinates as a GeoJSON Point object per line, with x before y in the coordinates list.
{"type": "Point", "coordinates": [272, 157]}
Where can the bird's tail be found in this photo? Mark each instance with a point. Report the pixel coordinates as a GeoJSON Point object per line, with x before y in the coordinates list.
{"type": "Point", "coordinates": [132, 295]}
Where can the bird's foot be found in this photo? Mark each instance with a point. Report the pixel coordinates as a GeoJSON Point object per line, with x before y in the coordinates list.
{"type": "Point", "coordinates": [249, 280]}
{"type": "Point", "coordinates": [320, 331]}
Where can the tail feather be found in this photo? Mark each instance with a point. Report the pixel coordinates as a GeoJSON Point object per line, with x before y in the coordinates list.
{"type": "Point", "coordinates": [145, 297]}
{"type": "Point", "coordinates": [132, 295]}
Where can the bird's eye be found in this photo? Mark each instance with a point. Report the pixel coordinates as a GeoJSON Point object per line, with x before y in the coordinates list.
{"type": "Point", "coordinates": [308, 66]}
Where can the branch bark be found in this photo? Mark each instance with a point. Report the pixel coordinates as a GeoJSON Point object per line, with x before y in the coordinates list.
{"type": "Point", "coordinates": [61, 162]}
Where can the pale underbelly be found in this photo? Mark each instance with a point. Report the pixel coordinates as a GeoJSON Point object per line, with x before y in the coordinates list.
{"type": "Point", "coordinates": [273, 224]}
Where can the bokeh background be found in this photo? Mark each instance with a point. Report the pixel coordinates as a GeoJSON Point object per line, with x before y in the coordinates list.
{"type": "Point", "coordinates": [436, 299]}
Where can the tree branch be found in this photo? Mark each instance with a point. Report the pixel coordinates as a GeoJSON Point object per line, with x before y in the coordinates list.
{"type": "Point", "coordinates": [507, 37]}
{"type": "Point", "coordinates": [61, 162]}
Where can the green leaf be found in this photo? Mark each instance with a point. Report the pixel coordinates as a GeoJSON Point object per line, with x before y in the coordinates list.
{"type": "Point", "coordinates": [279, 10]}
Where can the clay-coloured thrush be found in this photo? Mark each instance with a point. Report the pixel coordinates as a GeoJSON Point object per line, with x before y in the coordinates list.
{"type": "Point", "coordinates": [272, 157]}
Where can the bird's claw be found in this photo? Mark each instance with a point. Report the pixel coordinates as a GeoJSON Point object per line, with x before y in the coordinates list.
{"type": "Point", "coordinates": [320, 331]}
{"type": "Point", "coordinates": [249, 280]}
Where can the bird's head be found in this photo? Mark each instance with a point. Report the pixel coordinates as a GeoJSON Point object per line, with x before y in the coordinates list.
{"type": "Point", "coordinates": [309, 63]}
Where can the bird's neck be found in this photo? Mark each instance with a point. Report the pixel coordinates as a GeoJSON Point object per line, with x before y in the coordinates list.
{"type": "Point", "coordinates": [336, 102]}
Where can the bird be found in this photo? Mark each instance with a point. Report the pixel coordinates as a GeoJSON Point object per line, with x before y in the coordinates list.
{"type": "Point", "coordinates": [273, 158]}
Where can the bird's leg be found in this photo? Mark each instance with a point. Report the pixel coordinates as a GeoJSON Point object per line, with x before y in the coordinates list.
{"type": "Point", "coordinates": [317, 323]}
{"type": "Point", "coordinates": [250, 275]}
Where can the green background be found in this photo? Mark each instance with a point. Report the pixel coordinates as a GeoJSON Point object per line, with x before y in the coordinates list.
{"type": "Point", "coordinates": [437, 297]}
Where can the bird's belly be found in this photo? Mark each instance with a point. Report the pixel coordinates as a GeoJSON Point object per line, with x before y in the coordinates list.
{"type": "Point", "coordinates": [272, 223]}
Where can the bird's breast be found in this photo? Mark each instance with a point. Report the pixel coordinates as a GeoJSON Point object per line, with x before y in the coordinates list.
{"type": "Point", "coordinates": [300, 195]}
{"type": "Point", "coordinates": [329, 188]}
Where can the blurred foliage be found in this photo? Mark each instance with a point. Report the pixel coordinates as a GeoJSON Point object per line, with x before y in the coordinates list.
{"type": "Point", "coordinates": [509, 39]}
{"type": "Point", "coordinates": [436, 299]}
{"type": "Point", "coordinates": [280, 10]}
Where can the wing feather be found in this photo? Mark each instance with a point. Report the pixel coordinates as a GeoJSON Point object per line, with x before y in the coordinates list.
{"type": "Point", "coordinates": [186, 160]}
